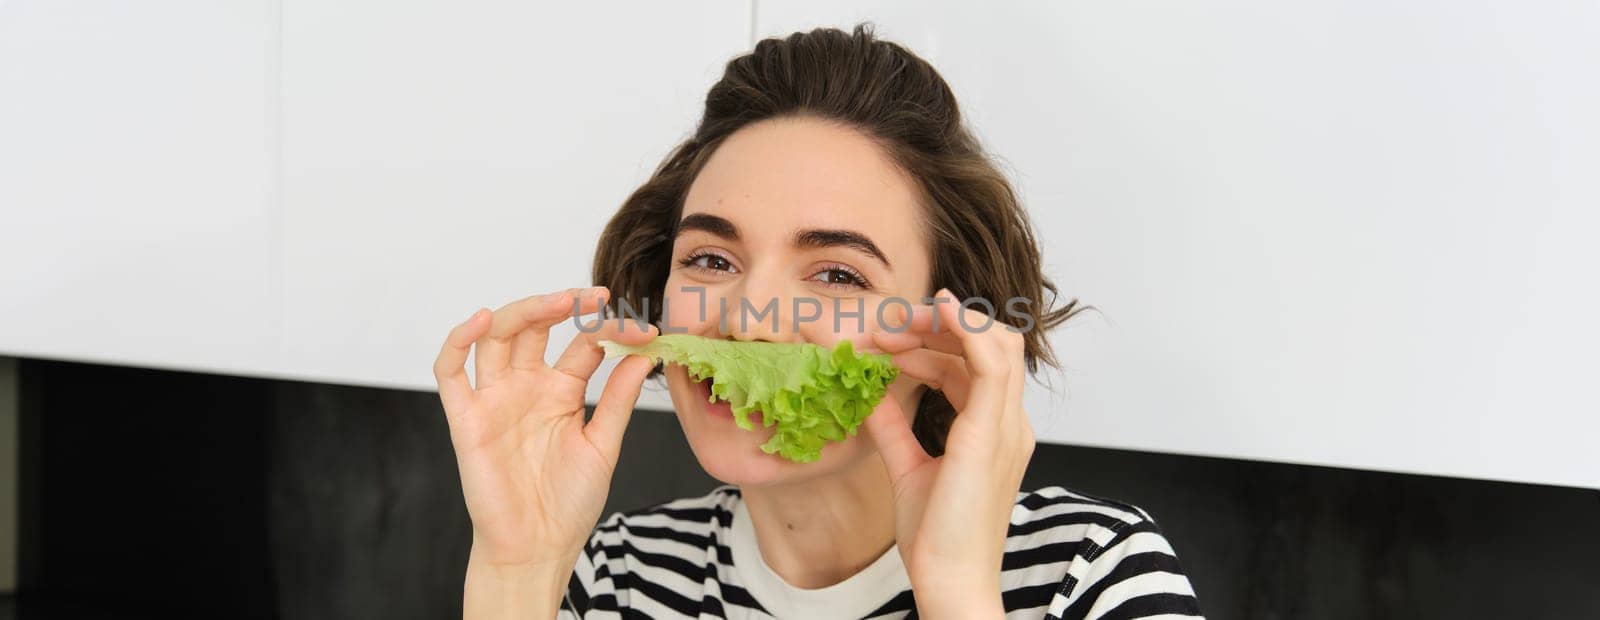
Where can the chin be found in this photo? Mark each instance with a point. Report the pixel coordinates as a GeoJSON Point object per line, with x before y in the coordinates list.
{"type": "Point", "coordinates": [733, 455]}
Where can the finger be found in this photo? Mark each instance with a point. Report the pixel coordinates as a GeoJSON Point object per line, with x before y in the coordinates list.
{"type": "Point", "coordinates": [529, 345]}
{"type": "Point", "coordinates": [535, 314]}
{"type": "Point", "coordinates": [890, 431]}
{"type": "Point", "coordinates": [1012, 345]}
{"type": "Point", "coordinates": [493, 355]}
{"type": "Point", "coordinates": [923, 329]}
{"type": "Point", "coordinates": [583, 354]}
{"type": "Point", "coordinates": [939, 371]}
{"type": "Point", "coordinates": [1012, 348]}
{"type": "Point", "coordinates": [946, 328]}
{"type": "Point", "coordinates": [981, 348]}
{"type": "Point", "coordinates": [895, 342]}
{"type": "Point", "coordinates": [615, 408]}
{"type": "Point", "coordinates": [987, 368]}
{"type": "Point", "coordinates": [449, 369]}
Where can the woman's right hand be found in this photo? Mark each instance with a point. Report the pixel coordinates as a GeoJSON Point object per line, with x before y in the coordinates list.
{"type": "Point", "coordinates": [534, 474]}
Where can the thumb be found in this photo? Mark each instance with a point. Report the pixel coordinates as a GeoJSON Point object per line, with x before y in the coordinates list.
{"type": "Point", "coordinates": [611, 413]}
{"type": "Point", "coordinates": [890, 431]}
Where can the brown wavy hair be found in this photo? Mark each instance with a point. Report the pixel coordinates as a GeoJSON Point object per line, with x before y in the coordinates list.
{"type": "Point", "coordinates": [982, 244]}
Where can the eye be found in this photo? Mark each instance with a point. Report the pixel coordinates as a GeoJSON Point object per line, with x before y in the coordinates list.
{"type": "Point", "coordinates": [701, 259]}
{"type": "Point", "coordinates": [842, 276]}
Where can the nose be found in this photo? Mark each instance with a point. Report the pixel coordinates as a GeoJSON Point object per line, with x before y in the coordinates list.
{"type": "Point", "coordinates": [760, 308]}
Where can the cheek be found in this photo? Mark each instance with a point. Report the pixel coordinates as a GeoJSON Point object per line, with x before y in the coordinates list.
{"type": "Point", "coordinates": [687, 310]}
{"type": "Point", "coordinates": [854, 320]}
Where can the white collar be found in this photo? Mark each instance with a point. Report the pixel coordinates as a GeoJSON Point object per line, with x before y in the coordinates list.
{"type": "Point", "coordinates": [854, 597]}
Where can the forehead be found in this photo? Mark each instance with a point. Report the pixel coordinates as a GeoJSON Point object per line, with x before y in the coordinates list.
{"type": "Point", "coordinates": [773, 177]}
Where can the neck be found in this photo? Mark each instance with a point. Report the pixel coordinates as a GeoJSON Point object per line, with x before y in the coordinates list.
{"type": "Point", "coordinates": [817, 533]}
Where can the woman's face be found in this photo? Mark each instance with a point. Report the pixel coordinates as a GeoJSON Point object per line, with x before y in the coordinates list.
{"type": "Point", "coordinates": [806, 215]}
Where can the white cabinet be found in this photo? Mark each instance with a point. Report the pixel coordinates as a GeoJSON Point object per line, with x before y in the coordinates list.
{"type": "Point", "coordinates": [439, 156]}
{"type": "Point", "coordinates": [137, 224]}
{"type": "Point", "coordinates": [1350, 234]}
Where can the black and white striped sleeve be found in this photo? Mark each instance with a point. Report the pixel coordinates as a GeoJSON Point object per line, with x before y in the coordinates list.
{"type": "Point", "coordinates": [591, 591]}
{"type": "Point", "coordinates": [1126, 569]}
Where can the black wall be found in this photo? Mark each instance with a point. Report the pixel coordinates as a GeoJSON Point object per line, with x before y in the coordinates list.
{"type": "Point", "coordinates": [143, 491]}
{"type": "Point", "coordinates": [155, 493]}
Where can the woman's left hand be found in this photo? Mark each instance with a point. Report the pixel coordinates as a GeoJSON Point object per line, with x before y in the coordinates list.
{"type": "Point", "coordinates": [952, 512]}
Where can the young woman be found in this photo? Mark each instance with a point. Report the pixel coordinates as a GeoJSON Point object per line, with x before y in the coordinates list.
{"type": "Point", "coordinates": [830, 167]}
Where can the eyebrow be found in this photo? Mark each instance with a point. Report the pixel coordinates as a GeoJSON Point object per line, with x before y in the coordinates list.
{"type": "Point", "coordinates": [708, 223]}
{"type": "Point", "coordinates": [809, 238]}
{"type": "Point", "coordinates": [815, 238]}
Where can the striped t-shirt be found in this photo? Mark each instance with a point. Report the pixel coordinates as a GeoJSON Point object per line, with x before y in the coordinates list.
{"type": "Point", "coordinates": [1068, 555]}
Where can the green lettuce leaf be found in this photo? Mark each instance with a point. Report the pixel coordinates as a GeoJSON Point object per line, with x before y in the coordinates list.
{"type": "Point", "coordinates": [812, 394]}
